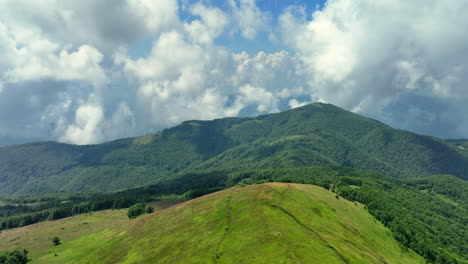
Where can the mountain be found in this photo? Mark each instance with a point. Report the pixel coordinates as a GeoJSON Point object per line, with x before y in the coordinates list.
{"type": "Point", "coordinates": [461, 145]}
{"type": "Point", "coordinates": [266, 223]}
{"type": "Point", "coordinates": [316, 134]}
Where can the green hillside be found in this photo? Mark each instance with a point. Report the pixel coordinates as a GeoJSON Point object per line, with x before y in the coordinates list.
{"type": "Point", "coordinates": [313, 135]}
{"type": "Point", "coordinates": [461, 145]}
{"type": "Point", "coordinates": [421, 212]}
{"type": "Point", "coordinates": [267, 223]}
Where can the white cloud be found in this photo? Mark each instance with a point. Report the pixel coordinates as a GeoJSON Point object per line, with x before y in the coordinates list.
{"type": "Point", "coordinates": [70, 69]}
{"type": "Point", "coordinates": [293, 103]}
{"type": "Point", "coordinates": [368, 56]}
{"type": "Point", "coordinates": [71, 61]}
{"type": "Point", "coordinates": [103, 24]}
{"type": "Point", "coordinates": [212, 24]}
{"type": "Point", "coordinates": [86, 127]}
{"type": "Point", "coordinates": [264, 100]}
{"type": "Point", "coordinates": [155, 14]}
{"type": "Point", "coordinates": [181, 80]}
{"type": "Point", "coordinates": [250, 20]}
{"type": "Point", "coordinates": [35, 64]}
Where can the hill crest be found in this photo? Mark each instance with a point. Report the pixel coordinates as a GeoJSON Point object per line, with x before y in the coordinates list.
{"type": "Point", "coordinates": [264, 223]}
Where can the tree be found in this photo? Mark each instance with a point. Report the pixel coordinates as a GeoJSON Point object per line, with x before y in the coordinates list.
{"type": "Point", "coordinates": [122, 202]}
{"type": "Point", "coordinates": [149, 209]}
{"type": "Point", "coordinates": [56, 241]}
{"type": "Point", "coordinates": [136, 210]}
{"type": "Point", "coordinates": [14, 257]}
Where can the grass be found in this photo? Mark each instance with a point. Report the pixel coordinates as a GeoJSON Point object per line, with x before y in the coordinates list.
{"type": "Point", "coordinates": [146, 139]}
{"type": "Point", "coordinates": [267, 223]}
{"type": "Point", "coordinates": [80, 235]}
{"type": "Point", "coordinates": [38, 238]}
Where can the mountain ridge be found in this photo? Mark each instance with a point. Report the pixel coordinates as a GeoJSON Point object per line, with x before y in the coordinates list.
{"type": "Point", "coordinates": [312, 135]}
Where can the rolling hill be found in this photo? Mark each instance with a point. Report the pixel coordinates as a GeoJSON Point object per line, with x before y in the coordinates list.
{"type": "Point", "coordinates": [313, 135]}
{"type": "Point", "coordinates": [266, 223]}
{"type": "Point", "coordinates": [422, 212]}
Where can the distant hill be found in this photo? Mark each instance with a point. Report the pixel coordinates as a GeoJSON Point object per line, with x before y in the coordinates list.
{"type": "Point", "coordinates": [461, 145]}
{"type": "Point", "coordinates": [313, 135]}
{"type": "Point", "coordinates": [267, 223]}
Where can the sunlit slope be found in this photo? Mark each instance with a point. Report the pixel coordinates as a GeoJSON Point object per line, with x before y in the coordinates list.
{"type": "Point", "coordinates": [84, 230]}
{"type": "Point", "coordinates": [268, 223]}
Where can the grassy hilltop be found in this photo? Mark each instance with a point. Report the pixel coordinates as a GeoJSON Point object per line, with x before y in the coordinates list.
{"type": "Point", "coordinates": [267, 223]}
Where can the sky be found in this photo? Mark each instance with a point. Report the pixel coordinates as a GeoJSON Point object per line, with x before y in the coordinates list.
{"type": "Point", "coordinates": [86, 72]}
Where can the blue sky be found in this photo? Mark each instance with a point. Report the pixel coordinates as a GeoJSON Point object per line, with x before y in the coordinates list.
{"type": "Point", "coordinates": [234, 42]}
{"type": "Point", "coordinates": [89, 71]}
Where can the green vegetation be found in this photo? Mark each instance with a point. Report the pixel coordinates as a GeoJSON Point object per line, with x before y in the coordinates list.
{"type": "Point", "coordinates": [149, 209]}
{"type": "Point", "coordinates": [80, 229]}
{"type": "Point", "coordinates": [461, 145]}
{"type": "Point", "coordinates": [14, 257]}
{"type": "Point", "coordinates": [313, 135]}
{"type": "Point", "coordinates": [267, 223]}
{"type": "Point", "coordinates": [146, 139]}
{"type": "Point", "coordinates": [427, 215]}
{"type": "Point", "coordinates": [420, 212]}
{"type": "Point", "coordinates": [136, 210]}
{"type": "Point", "coordinates": [37, 238]}
{"type": "Point", "coordinates": [356, 158]}
{"type": "Point", "coordinates": [56, 240]}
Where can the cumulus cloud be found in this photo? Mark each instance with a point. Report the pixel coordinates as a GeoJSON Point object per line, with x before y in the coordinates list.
{"type": "Point", "coordinates": [68, 70]}
{"type": "Point", "coordinates": [212, 24]}
{"type": "Point", "coordinates": [54, 82]}
{"type": "Point", "coordinates": [182, 80]}
{"type": "Point", "coordinates": [367, 56]}
{"type": "Point", "coordinates": [85, 128]}
{"type": "Point", "coordinates": [250, 20]}
{"type": "Point", "coordinates": [68, 64]}
{"type": "Point", "coordinates": [265, 100]}
{"type": "Point", "coordinates": [103, 24]}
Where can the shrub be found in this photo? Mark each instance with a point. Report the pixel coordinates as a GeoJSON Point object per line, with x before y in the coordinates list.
{"type": "Point", "coordinates": [56, 241]}
{"type": "Point", "coordinates": [149, 209]}
{"type": "Point", "coordinates": [14, 257]}
{"type": "Point", "coordinates": [136, 210]}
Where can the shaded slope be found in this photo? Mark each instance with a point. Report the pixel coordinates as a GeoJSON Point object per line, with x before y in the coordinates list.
{"type": "Point", "coordinates": [317, 134]}
{"type": "Point", "coordinates": [461, 145]}
{"type": "Point", "coordinates": [268, 223]}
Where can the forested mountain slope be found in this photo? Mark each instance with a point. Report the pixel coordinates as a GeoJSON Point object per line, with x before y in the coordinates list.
{"type": "Point", "coordinates": [317, 134]}
{"type": "Point", "coordinates": [461, 145]}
